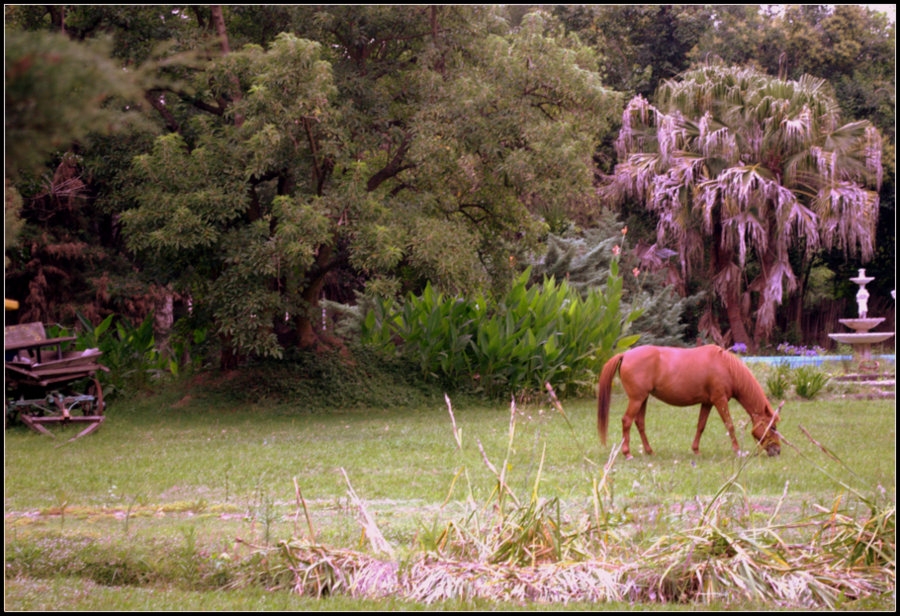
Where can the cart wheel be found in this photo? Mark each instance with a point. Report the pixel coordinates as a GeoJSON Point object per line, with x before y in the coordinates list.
{"type": "Point", "coordinates": [11, 416]}
{"type": "Point", "coordinates": [96, 390]}
{"type": "Point", "coordinates": [88, 402]}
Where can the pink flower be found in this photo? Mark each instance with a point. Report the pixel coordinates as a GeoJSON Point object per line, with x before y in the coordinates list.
{"type": "Point", "coordinates": [616, 250]}
{"type": "Point", "coordinates": [636, 272]}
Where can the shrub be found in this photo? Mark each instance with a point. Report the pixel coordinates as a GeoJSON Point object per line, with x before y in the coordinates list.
{"type": "Point", "coordinates": [778, 382]}
{"type": "Point", "coordinates": [535, 334]}
{"type": "Point", "coordinates": [131, 352]}
{"type": "Point", "coordinates": [808, 381]}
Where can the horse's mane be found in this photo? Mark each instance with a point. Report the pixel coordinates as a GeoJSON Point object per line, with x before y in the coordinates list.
{"type": "Point", "coordinates": [747, 389]}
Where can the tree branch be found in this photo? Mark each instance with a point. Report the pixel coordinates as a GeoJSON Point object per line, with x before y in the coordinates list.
{"type": "Point", "coordinates": [394, 167]}
{"type": "Point", "coordinates": [153, 97]}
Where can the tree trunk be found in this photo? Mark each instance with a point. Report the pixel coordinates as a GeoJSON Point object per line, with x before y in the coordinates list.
{"type": "Point", "coordinates": [163, 318]}
{"type": "Point", "coordinates": [58, 17]}
{"type": "Point", "coordinates": [730, 292]}
{"type": "Point", "coordinates": [307, 332]}
{"type": "Point", "coordinates": [310, 332]}
{"type": "Point", "coordinates": [218, 19]}
{"type": "Point", "coordinates": [736, 319]}
{"type": "Point", "coordinates": [228, 356]}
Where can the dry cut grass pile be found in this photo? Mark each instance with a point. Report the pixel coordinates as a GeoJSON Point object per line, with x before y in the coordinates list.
{"type": "Point", "coordinates": [519, 550]}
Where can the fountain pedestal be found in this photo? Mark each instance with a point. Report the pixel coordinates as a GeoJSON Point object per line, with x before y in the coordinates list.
{"type": "Point", "coordinates": [861, 340]}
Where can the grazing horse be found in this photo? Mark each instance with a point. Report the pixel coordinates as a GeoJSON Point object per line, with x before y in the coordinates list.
{"type": "Point", "coordinates": [707, 375]}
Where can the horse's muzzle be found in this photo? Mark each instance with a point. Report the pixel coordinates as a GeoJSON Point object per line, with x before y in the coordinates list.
{"type": "Point", "coordinates": [773, 446]}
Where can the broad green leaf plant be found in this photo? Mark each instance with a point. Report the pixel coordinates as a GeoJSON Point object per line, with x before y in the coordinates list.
{"type": "Point", "coordinates": [531, 336]}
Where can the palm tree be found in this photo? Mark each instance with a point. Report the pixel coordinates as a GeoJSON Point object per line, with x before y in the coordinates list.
{"type": "Point", "coordinates": [740, 168]}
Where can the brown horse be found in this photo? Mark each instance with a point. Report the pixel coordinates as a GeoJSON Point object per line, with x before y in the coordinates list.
{"type": "Point", "coordinates": [707, 375]}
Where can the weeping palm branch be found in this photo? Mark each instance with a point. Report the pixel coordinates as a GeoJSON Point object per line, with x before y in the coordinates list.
{"type": "Point", "coordinates": [742, 167]}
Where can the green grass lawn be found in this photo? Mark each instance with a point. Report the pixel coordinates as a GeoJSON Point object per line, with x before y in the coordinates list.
{"type": "Point", "coordinates": [182, 478]}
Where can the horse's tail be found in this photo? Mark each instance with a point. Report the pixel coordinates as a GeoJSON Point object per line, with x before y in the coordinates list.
{"type": "Point", "coordinates": [604, 389]}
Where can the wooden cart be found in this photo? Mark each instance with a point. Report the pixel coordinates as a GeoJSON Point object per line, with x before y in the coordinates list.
{"type": "Point", "coordinates": [46, 384]}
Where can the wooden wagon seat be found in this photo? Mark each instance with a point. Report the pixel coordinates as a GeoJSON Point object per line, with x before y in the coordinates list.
{"type": "Point", "coordinates": [31, 354]}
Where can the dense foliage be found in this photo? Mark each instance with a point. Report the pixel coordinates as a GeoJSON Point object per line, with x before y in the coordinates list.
{"type": "Point", "coordinates": [232, 169]}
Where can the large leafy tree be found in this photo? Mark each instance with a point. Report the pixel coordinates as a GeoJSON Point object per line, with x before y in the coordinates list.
{"type": "Point", "coordinates": [639, 45]}
{"type": "Point", "coordinates": [89, 101]}
{"type": "Point", "coordinates": [741, 168]}
{"type": "Point", "coordinates": [405, 145]}
{"type": "Point", "coordinates": [59, 95]}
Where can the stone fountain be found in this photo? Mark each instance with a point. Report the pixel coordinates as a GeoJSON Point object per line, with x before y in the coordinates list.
{"type": "Point", "coordinates": [861, 339]}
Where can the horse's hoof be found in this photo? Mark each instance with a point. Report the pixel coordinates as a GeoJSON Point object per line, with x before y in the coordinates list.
{"type": "Point", "coordinates": [628, 456]}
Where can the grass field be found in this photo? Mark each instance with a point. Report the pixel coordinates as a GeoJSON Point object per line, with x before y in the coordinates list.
{"type": "Point", "coordinates": [180, 487]}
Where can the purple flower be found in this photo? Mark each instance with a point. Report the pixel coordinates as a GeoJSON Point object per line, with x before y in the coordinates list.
{"type": "Point", "coordinates": [789, 349]}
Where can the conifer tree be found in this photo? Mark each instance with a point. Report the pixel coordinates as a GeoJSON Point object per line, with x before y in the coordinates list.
{"type": "Point", "coordinates": [583, 259]}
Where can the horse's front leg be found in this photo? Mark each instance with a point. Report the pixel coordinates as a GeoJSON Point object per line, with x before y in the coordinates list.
{"type": "Point", "coordinates": [701, 426]}
{"type": "Point", "coordinates": [722, 407]}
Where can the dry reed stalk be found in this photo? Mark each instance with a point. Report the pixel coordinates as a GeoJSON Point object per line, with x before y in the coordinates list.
{"type": "Point", "coordinates": [376, 539]}
{"type": "Point", "coordinates": [301, 503]}
{"type": "Point", "coordinates": [457, 433]}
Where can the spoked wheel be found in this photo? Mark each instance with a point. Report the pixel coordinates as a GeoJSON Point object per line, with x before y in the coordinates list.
{"type": "Point", "coordinates": [88, 404]}
{"type": "Point", "coordinates": [62, 408]}
{"type": "Point", "coordinates": [24, 402]}
{"type": "Point", "coordinates": [86, 408]}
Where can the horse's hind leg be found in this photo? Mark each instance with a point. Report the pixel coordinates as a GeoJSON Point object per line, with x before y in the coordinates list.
{"type": "Point", "coordinates": [701, 425]}
{"type": "Point", "coordinates": [639, 420]}
{"type": "Point", "coordinates": [634, 414]}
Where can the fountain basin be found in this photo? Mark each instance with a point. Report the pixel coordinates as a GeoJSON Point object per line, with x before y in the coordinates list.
{"type": "Point", "coordinates": [795, 361]}
{"type": "Point", "coordinates": [862, 338]}
{"type": "Point", "coordinates": [861, 325]}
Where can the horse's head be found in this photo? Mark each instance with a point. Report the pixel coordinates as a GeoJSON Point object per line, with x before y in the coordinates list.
{"type": "Point", "coordinates": [764, 430]}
